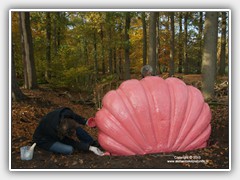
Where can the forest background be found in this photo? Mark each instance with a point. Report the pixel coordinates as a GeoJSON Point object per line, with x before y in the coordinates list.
{"type": "Point", "coordinates": [80, 50]}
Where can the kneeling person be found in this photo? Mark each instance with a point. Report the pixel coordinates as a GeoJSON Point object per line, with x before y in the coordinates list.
{"type": "Point", "coordinates": [58, 129]}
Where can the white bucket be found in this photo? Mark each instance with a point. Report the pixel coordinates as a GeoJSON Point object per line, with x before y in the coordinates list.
{"type": "Point", "coordinates": [26, 153]}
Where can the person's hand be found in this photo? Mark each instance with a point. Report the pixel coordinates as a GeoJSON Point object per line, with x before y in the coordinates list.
{"type": "Point", "coordinates": [91, 122]}
{"type": "Point", "coordinates": [96, 151]}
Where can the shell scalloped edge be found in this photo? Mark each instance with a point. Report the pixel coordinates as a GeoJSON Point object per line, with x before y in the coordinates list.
{"type": "Point", "coordinates": [153, 115]}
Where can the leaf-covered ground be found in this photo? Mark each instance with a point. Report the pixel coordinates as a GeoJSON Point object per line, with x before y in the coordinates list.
{"type": "Point", "coordinates": [26, 115]}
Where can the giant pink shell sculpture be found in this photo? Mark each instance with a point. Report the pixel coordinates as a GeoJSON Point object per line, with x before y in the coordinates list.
{"type": "Point", "coordinates": [153, 115]}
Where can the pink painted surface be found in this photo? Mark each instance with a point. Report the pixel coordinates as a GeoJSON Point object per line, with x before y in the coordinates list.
{"type": "Point", "coordinates": [153, 115]}
{"type": "Point", "coordinates": [91, 122]}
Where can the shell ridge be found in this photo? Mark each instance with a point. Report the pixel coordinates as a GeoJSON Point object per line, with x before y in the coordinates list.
{"type": "Point", "coordinates": [123, 145]}
{"type": "Point", "coordinates": [201, 137]}
{"type": "Point", "coordinates": [137, 126]}
{"type": "Point", "coordinates": [134, 122]}
{"type": "Point", "coordinates": [176, 118]}
{"type": "Point", "coordinates": [184, 145]}
{"type": "Point", "coordinates": [139, 107]}
{"type": "Point", "coordinates": [186, 117]}
{"type": "Point", "coordinates": [161, 122]}
{"type": "Point", "coordinates": [179, 96]}
{"type": "Point", "coordinates": [150, 115]}
{"type": "Point", "coordinates": [172, 107]}
{"type": "Point", "coordinates": [122, 148]}
{"type": "Point", "coordinates": [203, 145]}
{"type": "Point", "coordinates": [199, 112]}
{"type": "Point", "coordinates": [128, 135]}
{"type": "Point", "coordinates": [114, 112]}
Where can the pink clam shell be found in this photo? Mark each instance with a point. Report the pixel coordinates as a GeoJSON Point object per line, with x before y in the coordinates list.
{"type": "Point", "coordinates": [153, 115]}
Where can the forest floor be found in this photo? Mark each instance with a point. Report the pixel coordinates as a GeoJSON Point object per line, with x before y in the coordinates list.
{"type": "Point", "coordinates": [26, 115]}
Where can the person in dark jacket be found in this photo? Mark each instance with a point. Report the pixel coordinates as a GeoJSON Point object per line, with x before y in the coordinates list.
{"type": "Point", "coordinates": [56, 129]}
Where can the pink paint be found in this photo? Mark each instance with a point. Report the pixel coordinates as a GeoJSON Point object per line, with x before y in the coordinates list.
{"type": "Point", "coordinates": [153, 115]}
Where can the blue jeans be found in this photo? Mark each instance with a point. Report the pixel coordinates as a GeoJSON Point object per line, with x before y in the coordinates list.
{"type": "Point", "coordinates": [67, 145]}
{"type": "Point", "coordinates": [59, 147]}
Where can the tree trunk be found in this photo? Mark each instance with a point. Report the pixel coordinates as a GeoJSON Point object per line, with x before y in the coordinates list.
{"type": "Point", "coordinates": [23, 54]}
{"type": "Point", "coordinates": [152, 41]}
{"type": "Point", "coordinates": [28, 56]}
{"type": "Point", "coordinates": [120, 67]}
{"type": "Point", "coordinates": [171, 63]}
{"type": "Point", "coordinates": [85, 51]}
{"type": "Point", "coordinates": [209, 54]}
{"type": "Point", "coordinates": [95, 53]}
{"type": "Point", "coordinates": [180, 45]}
{"type": "Point", "coordinates": [54, 35]}
{"type": "Point", "coordinates": [17, 94]}
{"type": "Point", "coordinates": [223, 46]}
{"type": "Point", "coordinates": [48, 49]}
{"type": "Point", "coordinates": [102, 51]}
{"type": "Point", "coordinates": [56, 32]}
{"type": "Point", "coordinates": [121, 75]}
{"type": "Point", "coordinates": [110, 60]}
{"type": "Point", "coordinates": [144, 38]}
{"type": "Point", "coordinates": [59, 29]}
{"type": "Point", "coordinates": [186, 68]}
{"type": "Point", "coordinates": [127, 46]}
{"type": "Point", "coordinates": [110, 44]}
{"type": "Point", "coordinates": [200, 26]}
{"type": "Point", "coordinates": [114, 59]}
{"type": "Point", "coordinates": [158, 49]}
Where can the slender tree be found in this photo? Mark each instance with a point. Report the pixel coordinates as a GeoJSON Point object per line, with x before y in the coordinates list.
{"type": "Point", "coordinates": [110, 48]}
{"type": "Point", "coordinates": [59, 29]}
{"type": "Point", "coordinates": [186, 67]}
{"type": "Point", "coordinates": [200, 27]}
{"type": "Point", "coordinates": [223, 45]}
{"type": "Point", "coordinates": [102, 50]}
{"type": "Point", "coordinates": [85, 51]}
{"type": "Point", "coordinates": [121, 35]}
{"type": "Point", "coordinates": [120, 65]}
{"type": "Point", "coordinates": [56, 32]}
{"type": "Point", "coordinates": [114, 59]}
{"type": "Point", "coordinates": [180, 45]}
{"type": "Point", "coordinates": [209, 54]}
{"type": "Point", "coordinates": [144, 38]}
{"type": "Point", "coordinates": [27, 49]}
{"type": "Point", "coordinates": [171, 63]}
{"type": "Point", "coordinates": [127, 45]}
{"type": "Point", "coordinates": [17, 94]}
{"type": "Point", "coordinates": [48, 48]}
{"type": "Point", "coordinates": [95, 52]}
{"type": "Point", "coordinates": [152, 41]}
{"type": "Point", "coordinates": [158, 48]}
